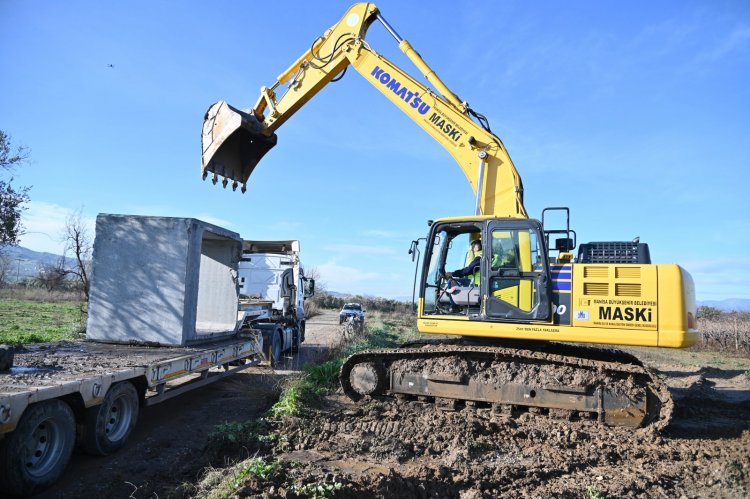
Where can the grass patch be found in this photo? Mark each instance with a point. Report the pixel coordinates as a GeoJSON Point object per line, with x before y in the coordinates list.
{"type": "Point", "coordinates": [315, 380]}
{"type": "Point", "coordinates": [235, 437]}
{"type": "Point", "coordinates": [24, 321]}
{"type": "Point", "coordinates": [257, 467]}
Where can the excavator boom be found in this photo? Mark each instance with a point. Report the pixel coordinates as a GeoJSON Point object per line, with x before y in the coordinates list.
{"type": "Point", "coordinates": [234, 141]}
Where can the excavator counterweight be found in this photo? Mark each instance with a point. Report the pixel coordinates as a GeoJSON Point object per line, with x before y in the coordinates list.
{"type": "Point", "coordinates": [232, 144]}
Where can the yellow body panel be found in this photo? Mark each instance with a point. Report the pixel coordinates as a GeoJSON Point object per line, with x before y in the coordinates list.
{"type": "Point", "coordinates": [644, 305]}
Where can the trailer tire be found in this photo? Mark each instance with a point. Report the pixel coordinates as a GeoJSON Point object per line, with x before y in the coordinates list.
{"type": "Point", "coordinates": [108, 425]}
{"type": "Point", "coordinates": [277, 346]}
{"type": "Point", "coordinates": [35, 454]}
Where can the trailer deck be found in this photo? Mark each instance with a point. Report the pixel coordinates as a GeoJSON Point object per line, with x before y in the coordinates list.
{"type": "Point", "coordinates": [87, 369]}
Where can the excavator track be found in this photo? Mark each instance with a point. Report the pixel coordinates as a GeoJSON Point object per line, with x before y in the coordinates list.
{"type": "Point", "coordinates": [563, 380]}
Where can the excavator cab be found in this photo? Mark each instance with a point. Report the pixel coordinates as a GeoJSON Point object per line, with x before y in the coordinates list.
{"type": "Point", "coordinates": [514, 282]}
{"type": "Point", "coordinates": [233, 144]}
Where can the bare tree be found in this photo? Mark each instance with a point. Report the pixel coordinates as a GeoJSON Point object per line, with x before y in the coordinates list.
{"type": "Point", "coordinates": [5, 264]}
{"type": "Point", "coordinates": [77, 239]}
{"type": "Point", "coordinates": [53, 277]}
{"type": "Point", "coordinates": [12, 198]}
{"type": "Point", "coordinates": [314, 273]}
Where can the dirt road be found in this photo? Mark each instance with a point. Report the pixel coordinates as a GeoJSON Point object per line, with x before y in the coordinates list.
{"type": "Point", "coordinates": [168, 444]}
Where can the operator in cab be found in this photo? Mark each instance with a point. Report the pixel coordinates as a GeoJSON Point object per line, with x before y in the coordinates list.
{"type": "Point", "coordinates": [469, 275]}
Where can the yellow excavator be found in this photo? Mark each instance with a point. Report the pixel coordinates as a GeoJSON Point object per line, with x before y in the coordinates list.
{"type": "Point", "coordinates": [519, 316]}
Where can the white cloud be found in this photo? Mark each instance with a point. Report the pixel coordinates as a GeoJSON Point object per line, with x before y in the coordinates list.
{"type": "Point", "coordinates": [344, 279]}
{"type": "Point", "coordinates": [719, 277]}
{"type": "Point", "coordinates": [385, 234]}
{"type": "Point", "coordinates": [226, 224]}
{"type": "Point", "coordinates": [737, 39]}
{"type": "Point", "coordinates": [360, 249]}
{"type": "Point", "coordinates": [43, 225]}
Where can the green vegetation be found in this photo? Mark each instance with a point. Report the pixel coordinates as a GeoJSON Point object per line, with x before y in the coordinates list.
{"type": "Point", "coordinates": [315, 380]}
{"type": "Point", "coordinates": [257, 467]}
{"type": "Point", "coordinates": [235, 437]}
{"type": "Point", "coordinates": [593, 493]}
{"type": "Point", "coordinates": [33, 322]}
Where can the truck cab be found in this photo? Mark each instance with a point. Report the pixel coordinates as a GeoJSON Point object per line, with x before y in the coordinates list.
{"type": "Point", "coordinates": [273, 289]}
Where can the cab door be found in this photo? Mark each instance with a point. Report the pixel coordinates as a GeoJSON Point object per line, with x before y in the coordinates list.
{"type": "Point", "coordinates": [518, 287]}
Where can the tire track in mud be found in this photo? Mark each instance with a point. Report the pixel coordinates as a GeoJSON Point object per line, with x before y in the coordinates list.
{"type": "Point", "coordinates": [383, 448]}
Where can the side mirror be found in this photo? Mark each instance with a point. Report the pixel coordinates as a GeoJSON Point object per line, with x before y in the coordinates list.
{"type": "Point", "coordinates": [309, 288]}
{"type": "Point", "coordinates": [413, 250]}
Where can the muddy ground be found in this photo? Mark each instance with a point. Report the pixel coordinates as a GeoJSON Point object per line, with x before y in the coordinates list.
{"type": "Point", "coordinates": [380, 448]}
{"type": "Point", "coordinates": [168, 445]}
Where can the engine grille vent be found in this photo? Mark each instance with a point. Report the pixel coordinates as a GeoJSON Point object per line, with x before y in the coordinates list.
{"type": "Point", "coordinates": [614, 252]}
{"type": "Point", "coordinates": [596, 288]}
{"type": "Point", "coordinates": [623, 289]}
{"type": "Point", "coordinates": [628, 272]}
{"type": "Point", "coordinates": [600, 272]}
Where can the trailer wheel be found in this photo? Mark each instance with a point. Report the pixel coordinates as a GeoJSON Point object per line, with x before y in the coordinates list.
{"type": "Point", "coordinates": [35, 454]}
{"type": "Point", "coordinates": [109, 424]}
{"type": "Point", "coordinates": [277, 345]}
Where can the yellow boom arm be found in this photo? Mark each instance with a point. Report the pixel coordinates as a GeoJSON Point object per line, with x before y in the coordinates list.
{"type": "Point", "coordinates": [234, 141]}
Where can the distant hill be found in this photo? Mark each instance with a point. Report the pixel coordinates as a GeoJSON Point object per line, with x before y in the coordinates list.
{"type": "Point", "coordinates": [26, 263]}
{"type": "Point", "coordinates": [728, 305]}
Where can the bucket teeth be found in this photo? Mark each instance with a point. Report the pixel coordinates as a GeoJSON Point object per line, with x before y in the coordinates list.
{"type": "Point", "coordinates": [233, 142]}
{"type": "Point", "coordinates": [234, 185]}
{"type": "Point", "coordinates": [205, 174]}
{"type": "Point", "coordinates": [244, 188]}
{"type": "Point", "coordinates": [215, 178]}
{"type": "Point", "coordinates": [224, 182]}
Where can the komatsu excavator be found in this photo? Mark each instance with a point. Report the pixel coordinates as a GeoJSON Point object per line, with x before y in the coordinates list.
{"type": "Point", "coordinates": [518, 324]}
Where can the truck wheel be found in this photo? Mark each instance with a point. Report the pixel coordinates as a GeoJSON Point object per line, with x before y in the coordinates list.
{"type": "Point", "coordinates": [277, 345]}
{"type": "Point", "coordinates": [109, 424]}
{"type": "Point", "coordinates": [298, 337]}
{"type": "Point", "coordinates": [34, 455]}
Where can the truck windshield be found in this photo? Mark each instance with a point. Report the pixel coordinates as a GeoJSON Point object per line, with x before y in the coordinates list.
{"type": "Point", "coordinates": [352, 307]}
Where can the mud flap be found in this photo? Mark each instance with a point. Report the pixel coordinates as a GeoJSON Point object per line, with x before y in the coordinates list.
{"type": "Point", "coordinates": [233, 144]}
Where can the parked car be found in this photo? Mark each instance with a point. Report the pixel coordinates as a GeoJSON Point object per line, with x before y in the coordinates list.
{"type": "Point", "coordinates": [353, 310]}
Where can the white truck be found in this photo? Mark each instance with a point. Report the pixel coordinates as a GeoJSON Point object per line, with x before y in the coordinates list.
{"type": "Point", "coordinates": [273, 288]}
{"type": "Point", "coordinates": [162, 320]}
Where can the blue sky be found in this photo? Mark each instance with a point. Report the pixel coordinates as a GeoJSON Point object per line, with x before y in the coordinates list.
{"type": "Point", "coordinates": [633, 114]}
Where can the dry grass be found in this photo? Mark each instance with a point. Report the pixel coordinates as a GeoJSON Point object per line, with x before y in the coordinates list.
{"type": "Point", "coordinates": [39, 295]}
{"type": "Point", "coordinates": [312, 309]}
{"type": "Point", "coordinates": [725, 331]}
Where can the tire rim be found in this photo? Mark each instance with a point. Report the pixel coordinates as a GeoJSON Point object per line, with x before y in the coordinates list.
{"type": "Point", "coordinates": [119, 417]}
{"type": "Point", "coordinates": [44, 447]}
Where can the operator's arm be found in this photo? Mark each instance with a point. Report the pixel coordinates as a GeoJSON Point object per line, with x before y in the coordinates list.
{"type": "Point", "coordinates": [468, 270]}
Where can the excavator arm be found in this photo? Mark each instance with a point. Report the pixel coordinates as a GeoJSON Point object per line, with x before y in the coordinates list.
{"type": "Point", "coordinates": [234, 141]}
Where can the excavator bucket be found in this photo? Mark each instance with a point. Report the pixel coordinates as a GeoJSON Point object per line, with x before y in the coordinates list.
{"type": "Point", "coordinates": [232, 144]}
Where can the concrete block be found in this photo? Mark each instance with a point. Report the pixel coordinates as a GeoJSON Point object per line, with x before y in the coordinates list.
{"type": "Point", "coordinates": [162, 280]}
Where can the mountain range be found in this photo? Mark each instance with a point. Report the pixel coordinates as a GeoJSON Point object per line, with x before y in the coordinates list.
{"type": "Point", "coordinates": [26, 263]}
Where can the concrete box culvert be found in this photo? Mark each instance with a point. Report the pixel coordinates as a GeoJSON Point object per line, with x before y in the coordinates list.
{"type": "Point", "coordinates": [162, 280]}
